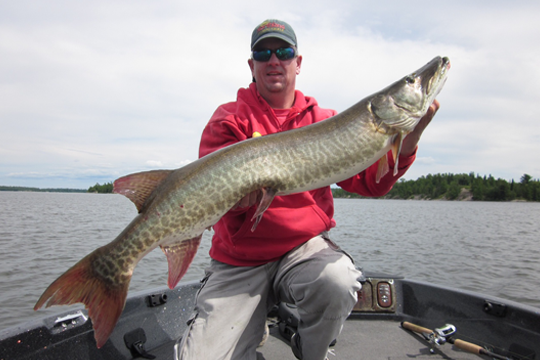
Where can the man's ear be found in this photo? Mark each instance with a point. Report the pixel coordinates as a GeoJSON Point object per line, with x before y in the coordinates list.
{"type": "Point", "coordinates": [251, 65]}
{"type": "Point", "coordinates": [298, 64]}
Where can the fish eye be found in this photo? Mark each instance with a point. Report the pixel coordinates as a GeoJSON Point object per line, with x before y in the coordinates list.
{"type": "Point", "coordinates": [410, 79]}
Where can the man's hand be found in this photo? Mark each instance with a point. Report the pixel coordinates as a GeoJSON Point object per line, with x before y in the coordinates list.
{"type": "Point", "coordinates": [411, 141]}
{"type": "Point", "coordinates": [248, 200]}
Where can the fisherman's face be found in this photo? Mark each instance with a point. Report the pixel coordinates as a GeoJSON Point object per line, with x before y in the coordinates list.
{"type": "Point", "coordinates": [275, 76]}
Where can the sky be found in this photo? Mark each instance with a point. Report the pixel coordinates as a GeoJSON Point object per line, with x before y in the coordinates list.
{"type": "Point", "coordinates": [94, 90]}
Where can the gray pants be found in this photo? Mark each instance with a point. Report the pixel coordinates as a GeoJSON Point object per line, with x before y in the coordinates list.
{"type": "Point", "coordinates": [230, 312]}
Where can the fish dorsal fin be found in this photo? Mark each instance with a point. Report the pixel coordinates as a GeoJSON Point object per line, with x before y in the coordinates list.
{"type": "Point", "coordinates": [138, 187]}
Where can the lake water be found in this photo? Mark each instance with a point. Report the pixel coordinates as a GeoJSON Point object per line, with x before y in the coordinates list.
{"type": "Point", "coordinates": [487, 247]}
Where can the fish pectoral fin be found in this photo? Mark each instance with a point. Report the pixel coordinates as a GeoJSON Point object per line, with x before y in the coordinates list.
{"type": "Point", "coordinates": [382, 168]}
{"type": "Point", "coordinates": [179, 257]}
{"type": "Point", "coordinates": [268, 194]}
{"type": "Point", "coordinates": [138, 187]}
{"type": "Point", "coordinates": [396, 149]}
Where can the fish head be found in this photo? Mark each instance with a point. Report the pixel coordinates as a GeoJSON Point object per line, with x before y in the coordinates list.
{"type": "Point", "coordinates": [401, 105]}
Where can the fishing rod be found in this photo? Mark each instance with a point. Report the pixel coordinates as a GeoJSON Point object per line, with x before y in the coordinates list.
{"type": "Point", "coordinates": [443, 335]}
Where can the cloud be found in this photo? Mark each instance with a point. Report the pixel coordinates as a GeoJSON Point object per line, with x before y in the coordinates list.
{"type": "Point", "coordinates": [154, 163]}
{"type": "Point", "coordinates": [425, 160]}
{"type": "Point", "coordinates": [128, 86]}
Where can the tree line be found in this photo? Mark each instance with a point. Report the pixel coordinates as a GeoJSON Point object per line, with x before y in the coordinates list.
{"type": "Point", "coordinates": [457, 186]}
{"type": "Point", "coordinates": [106, 188]}
{"type": "Point", "coordinates": [26, 188]}
{"type": "Point", "coordinates": [430, 187]}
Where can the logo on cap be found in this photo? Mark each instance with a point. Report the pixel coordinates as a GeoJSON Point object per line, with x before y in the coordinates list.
{"type": "Point", "coordinates": [273, 28]}
{"type": "Point", "coordinates": [269, 26]}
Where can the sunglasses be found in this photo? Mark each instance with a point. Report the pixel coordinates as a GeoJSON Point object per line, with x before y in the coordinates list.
{"type": "Point", "coordinates": [284, 53]}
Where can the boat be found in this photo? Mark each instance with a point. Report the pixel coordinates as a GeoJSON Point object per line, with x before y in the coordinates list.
{"type": "Point", "coordinates": [394, 318]}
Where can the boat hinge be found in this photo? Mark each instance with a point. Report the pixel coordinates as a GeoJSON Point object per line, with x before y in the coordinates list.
{"type": "Point", "coordinates": [135, 341]}
{"type": "Point", "coordinates": [495, 309]}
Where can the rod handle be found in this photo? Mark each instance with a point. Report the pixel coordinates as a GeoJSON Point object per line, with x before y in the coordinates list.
{"type": "Point", "coordinates": [467, 346]}
{"type": "Point", "coordinates": [416, 328]}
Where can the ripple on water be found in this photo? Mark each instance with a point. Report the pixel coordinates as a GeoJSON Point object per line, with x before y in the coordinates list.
{"type": "Point", "coordinates": [484, 247]}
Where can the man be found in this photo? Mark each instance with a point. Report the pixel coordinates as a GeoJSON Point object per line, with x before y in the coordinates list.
{"type": "Point", "coordinates": [289, 256]}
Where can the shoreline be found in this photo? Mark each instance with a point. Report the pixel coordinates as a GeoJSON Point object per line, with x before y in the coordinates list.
{"type": "Point", "coordinates": [465, 194]}
{"type": "Point", "coordinates": [35, 189]}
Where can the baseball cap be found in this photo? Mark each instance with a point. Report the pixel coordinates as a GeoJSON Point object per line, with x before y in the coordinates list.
{"type": "Point", "coordinates": [273, 28]}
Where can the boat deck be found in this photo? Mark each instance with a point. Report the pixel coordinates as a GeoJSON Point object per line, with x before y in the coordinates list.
{"type": "Point", "coordinates": [360, 339]}
{"type": "Point", "coordinates": [373, 331]}
{"type": "Point", "coordinates": [371, 339]}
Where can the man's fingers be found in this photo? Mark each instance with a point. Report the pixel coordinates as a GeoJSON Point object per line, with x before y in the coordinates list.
{"type": "Point", "coordinates": [248, 200]}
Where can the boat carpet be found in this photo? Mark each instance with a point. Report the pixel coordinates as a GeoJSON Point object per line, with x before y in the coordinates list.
{"type": "Point", "coordinates": [360, 339]}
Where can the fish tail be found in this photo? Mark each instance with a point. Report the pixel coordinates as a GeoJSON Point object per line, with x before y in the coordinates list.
{"type": "Point", "coordinates": [80, 284]}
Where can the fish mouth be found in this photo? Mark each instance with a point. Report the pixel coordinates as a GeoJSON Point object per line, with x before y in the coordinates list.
{"type": "Point", "coordinates": [433, 76]}
{"type": "Point", "coordinates": [402, 104]}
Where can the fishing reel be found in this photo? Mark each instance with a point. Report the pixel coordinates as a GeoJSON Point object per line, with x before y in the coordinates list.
{"type": "Point", "coordinates": [440, 336]}
{"type": "Point", "coordinates": [444, 334]}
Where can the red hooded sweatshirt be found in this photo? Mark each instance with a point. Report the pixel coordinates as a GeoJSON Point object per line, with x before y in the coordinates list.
{"type": "Point", "coordinates": [290, 220]}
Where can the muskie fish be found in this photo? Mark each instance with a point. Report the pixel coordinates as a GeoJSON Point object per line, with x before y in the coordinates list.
{"type": "Point", "coordinates": [176, 206]}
